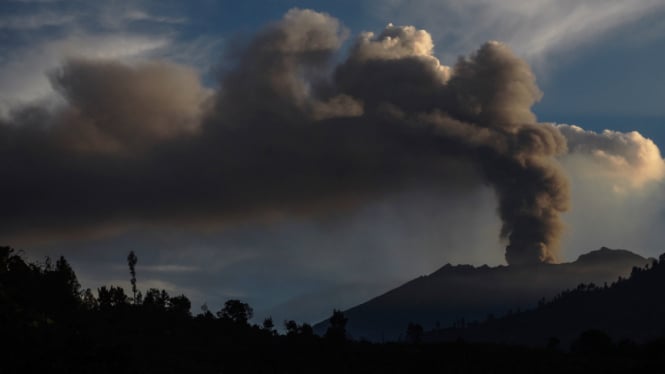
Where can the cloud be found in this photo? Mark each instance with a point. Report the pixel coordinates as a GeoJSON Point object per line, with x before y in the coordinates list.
{"type": "Point", "coordinates": [41, 37]}
{"type": "Point", "coordinates": [119, 108]}
{"type": "Point", "coordinates": [36, 21]}
{"type": "Point", "coordinates": [294, 130]}
{"type": "Point", "coordinates": [163, 268]}
{"type": "Point", "coordinates": [122, 15]}
{"type": "Point", "coordinates": [321, 136]}
{"type": "Point", "coordinates": [626, 160]}
{"type": "Point", "coordinates": [535, 30]}
{"type": "Point", "coordinates": [35, 1]}
{"type": "Point", "coordinates": [617, 190]}
{"type": "Point", "coordinates": [311, 168]}
{"type": "Point", "coordinates": [140, 15]}
{"type": "Point", "coordinates": [24, 71]}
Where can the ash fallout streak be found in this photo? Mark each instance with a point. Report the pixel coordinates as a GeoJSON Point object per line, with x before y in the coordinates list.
{"type": "Point", "coordinates": [290, 129]}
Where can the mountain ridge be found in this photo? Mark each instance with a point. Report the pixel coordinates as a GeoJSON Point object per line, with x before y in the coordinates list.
{"type": "Point", "coordinates": [628, 311]}
{"type": "Point", "coordinates": [455, 293]}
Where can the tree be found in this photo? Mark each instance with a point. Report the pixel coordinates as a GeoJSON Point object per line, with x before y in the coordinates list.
{"type": "Point", "coordinates": [112, 297]}
{"type": "Point", "coordinates": [156, 299]}
{"type": "Point", "coordinates": [592, 342]}
{"type": "Point", "coordinates": [88, 300]}
{"type": "Point", "coordinates": [61, 287]}
{"type": "Point", "coordinates": [291, 328]}
{"type": "Point", "coordinates": [131, 261]}
{"type": "Point", "coordinates": [337, 328]}
{"type": "Point", "coordinates": [414, 333]}
{"type": "Point", "coordinates": [236, 311]}
{"type": "Point", "coordinates": [269, 325]}
{"type": "Point", "coordinates": [205, 312]}
{"type": "Point", "coordinates": [5, 254]}
{"type": "Point", "coordinates": [180, 305]}
{"type": "Point", "coordinates": [66, 275]}
{"type": "Point", "coordinates": [306, 330]}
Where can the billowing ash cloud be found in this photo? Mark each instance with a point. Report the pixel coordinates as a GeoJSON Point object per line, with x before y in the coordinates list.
{"type": "Point", "coordinates": [288, 131]}
{"type": "Point", "coordinates": [419, 114]}
{"type": "Point", "coordinates": [119, 108]}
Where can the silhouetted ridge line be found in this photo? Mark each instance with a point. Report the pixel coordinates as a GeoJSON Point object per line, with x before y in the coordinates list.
{"type": "Point", "coordinates": [455, 292]}
{"type": "Point", "coordinates": [52, 326]}
{"type": "Point", "coordinates": [628, 310]}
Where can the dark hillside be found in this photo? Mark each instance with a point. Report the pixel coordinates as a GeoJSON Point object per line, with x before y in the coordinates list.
{"type": "Point", "coordinates": [630, 309]}
{"type": "Point", "coordinates": [454, 294]}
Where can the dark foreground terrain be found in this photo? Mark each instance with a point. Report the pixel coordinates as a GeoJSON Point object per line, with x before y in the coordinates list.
{"type": "Point", "coordinates": [49, 325]}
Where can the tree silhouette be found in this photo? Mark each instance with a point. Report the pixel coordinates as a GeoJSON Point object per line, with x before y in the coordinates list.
{"type": "Point", "coordinates": [414, 333]}
{"type": "Point", "coordinates": [88, 299]}
{"type": "Point", "coordinates": [131, 261]}
{"type": "Point", "coordinates": [111, 297]}
{"type": "Point", "coordinates": [268, 325]}
{"type": "Point", "coordinates": [301, 333]}
{"type": "Point", "coordinates": [236, 311]}
{"type": "Point", "coordinates": [593, 342]}
{"type": "Point", "coordinates": [67, 276]}
{"type": "Point", "coordinates": [5, 254]}
{"type": "Point", "coordinates": [337, 328]}
{"type": "Point", "coordinates": [156, 299]}
{"type": "Point", "coordinates": [306, 331]}
{"type": "Point", "coordinates": [180, 305]}
{"type": "Point", "coordinates": [291, 328]}
{"type": "Point", "coordinates": [205, 312]}
{"type": "Point", "coordinates": [63, 289]}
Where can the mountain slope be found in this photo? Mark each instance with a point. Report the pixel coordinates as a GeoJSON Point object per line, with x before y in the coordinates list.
{"type": "Point", "coordinates": [631, 308]}
{"type": "Point", "coordinates": [455, 292]}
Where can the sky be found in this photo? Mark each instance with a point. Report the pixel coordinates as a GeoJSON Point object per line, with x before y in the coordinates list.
{"type": "Point", "coordinates": [123, 123]}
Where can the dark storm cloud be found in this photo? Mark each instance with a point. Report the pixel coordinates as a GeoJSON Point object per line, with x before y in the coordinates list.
{"type": "Point", "coordinates": [288, 131]}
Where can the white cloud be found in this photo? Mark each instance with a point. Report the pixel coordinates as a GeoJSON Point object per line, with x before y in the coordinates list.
{"type": "Point", "coordinates": [626, 161]}
{"type": "Point", "coordinates": [617, 191]}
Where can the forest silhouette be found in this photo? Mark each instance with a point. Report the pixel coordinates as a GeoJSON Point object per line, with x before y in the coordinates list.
{"type": "Point", "coordinates": [51, 325]}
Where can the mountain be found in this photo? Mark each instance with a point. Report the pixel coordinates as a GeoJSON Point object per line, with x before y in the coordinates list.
{"type": "Point", "coordinates": [463, 293]}
{"type": "Point", "coordinates": [630, 309]}
{"type": "Point", "coordinates": [314, 306]}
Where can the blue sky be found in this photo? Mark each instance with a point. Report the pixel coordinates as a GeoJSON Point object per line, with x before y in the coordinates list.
{"type": "Point", "coordinates": [599, 64]}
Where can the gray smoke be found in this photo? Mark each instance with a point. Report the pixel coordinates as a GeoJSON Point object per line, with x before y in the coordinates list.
{"type": "Point", "coordinates": [288, 131]}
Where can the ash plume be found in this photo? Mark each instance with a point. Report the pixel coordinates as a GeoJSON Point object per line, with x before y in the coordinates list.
{"type": "Point", "coordinates": [290, 129]}
{"type": "Point", "coordinates": [481, 109]}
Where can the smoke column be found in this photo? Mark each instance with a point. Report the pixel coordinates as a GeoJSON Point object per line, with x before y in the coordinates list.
{"type": "Point", "coordinates": [391, 83]}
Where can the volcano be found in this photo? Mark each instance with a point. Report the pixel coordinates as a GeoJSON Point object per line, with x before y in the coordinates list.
{"type": "Point", "coordinates": [459, 294]}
